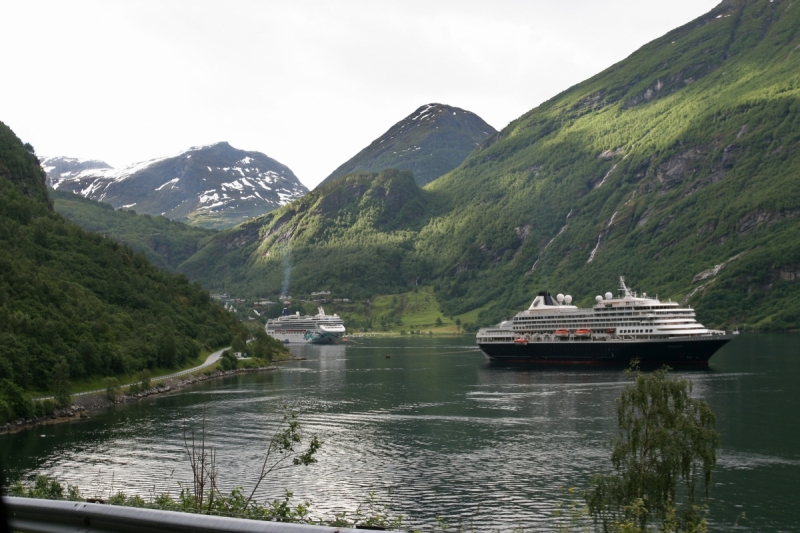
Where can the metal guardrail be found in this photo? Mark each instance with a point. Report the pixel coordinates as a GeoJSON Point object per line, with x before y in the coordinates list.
{"type": "Point", "coordinates": [31, 515]}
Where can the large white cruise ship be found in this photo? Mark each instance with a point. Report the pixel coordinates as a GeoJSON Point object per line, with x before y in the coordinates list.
{"type": "Point", "coordinates": [614, 331]}
{"type": "Point", "coordinates": [297, 328]}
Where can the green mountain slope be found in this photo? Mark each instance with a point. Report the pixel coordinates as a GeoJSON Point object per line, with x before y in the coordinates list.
{"type": "Point", "coordinates": [75, 304]}
{"type": "Point", "coordinates": [166, 243]}
{"type": "Point", "coordinates": [677, 167]}
{"type": "Point", "coordinates": [350, 235]}
{"type": "Point", "coordinates": [429, 142]}
{"type": "Point", "coordinates": [678, 159]}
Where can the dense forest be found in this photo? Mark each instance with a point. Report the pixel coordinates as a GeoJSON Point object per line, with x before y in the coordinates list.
{"type": "Point", "coordinates": [74, 304]}
{"type": "Point", "coordinates": [165, 242]}
{"type": "Point", "coordinates": [677, 167]}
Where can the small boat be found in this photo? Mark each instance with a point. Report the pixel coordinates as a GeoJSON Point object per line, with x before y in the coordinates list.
{"type": "Point", "coordinates": [583, 332]}
{"type": "Point", "coordinates": [561, 333]}
{"type": "Point", "coordinates": [521, 341]}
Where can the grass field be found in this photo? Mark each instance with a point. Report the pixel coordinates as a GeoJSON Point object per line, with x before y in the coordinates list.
{"type": "Point", "coordinates": [409, 312]}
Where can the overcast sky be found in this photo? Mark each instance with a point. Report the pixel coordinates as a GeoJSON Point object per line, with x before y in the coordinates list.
{"type": "Point", "coordinates": [309, 83]}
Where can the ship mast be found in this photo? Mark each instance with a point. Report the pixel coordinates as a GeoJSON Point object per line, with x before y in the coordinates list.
{"type": "Point", "coordinates": [626, 292]}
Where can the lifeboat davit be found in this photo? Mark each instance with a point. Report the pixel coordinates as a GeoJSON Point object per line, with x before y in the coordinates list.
{"type": "Point", "coordinates": [561, 333]}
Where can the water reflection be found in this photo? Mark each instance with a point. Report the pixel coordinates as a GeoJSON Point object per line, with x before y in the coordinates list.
{"type": "Point", "coordinates": [445, 432]}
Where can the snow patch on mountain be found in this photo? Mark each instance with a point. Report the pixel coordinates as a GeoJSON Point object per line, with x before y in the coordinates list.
{"type": "Point", "coordinates": [172, 181]}
{"type": "Point", "coordinates": [61, 168]}
{"type": "Point", "coordinates": [217, 180]}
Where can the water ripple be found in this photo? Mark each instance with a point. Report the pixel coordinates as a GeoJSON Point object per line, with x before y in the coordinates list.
{"type": "Point", "coordinates": [432, 436]}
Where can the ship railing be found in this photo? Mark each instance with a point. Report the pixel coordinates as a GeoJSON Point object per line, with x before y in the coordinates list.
{"type": "Point", "coordinates": [32, 515]}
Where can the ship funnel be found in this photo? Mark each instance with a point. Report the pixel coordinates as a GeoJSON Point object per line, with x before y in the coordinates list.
{"type": "Point", "coordinates": [285, 311]}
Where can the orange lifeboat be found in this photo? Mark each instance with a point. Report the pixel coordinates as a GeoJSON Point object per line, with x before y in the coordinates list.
{"type": "Point", "coordinates": [583, 332]}
{"type": "Point", "coordinates": [561, 333]}
{"type": "Point", "coordinates": [521, 341]}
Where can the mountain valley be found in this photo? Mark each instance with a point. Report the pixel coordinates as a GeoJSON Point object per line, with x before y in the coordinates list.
{"type": "Point", "coordinates": [166, 243]}
{"type": "Point", "coordinates": [675, 167]}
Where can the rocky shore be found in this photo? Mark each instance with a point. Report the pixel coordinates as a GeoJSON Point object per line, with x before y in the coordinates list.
{"type": "Point", "coordinates": [82, 406]}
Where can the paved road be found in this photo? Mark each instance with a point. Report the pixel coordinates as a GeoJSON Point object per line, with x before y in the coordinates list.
{"type": "Point", "coordinates": [210, 360]}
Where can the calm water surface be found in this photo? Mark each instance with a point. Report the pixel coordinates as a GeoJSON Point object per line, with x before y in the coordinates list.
{"type": "Point", "coordinates": [435, 431]}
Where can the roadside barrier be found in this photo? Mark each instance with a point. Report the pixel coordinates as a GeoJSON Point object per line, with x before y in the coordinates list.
{"type": "Point", "coordinates": [31, 515]}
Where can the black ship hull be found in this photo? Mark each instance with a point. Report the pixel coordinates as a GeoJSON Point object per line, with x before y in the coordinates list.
{"type": "Point", "coordinates": [688, 351]}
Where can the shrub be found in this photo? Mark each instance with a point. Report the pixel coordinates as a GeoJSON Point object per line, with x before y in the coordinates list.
{"type": "Point", "coordinates": [229, 361]}
{"type": "Point", "coordinates": [112, 387]}
{"type": "Point", "coordinates": [144, 380]}
{"type": "Point", "coordinates": [19, 404]}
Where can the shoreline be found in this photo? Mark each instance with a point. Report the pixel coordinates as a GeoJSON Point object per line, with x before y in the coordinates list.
{"type": "Point", "coordinates": [84, 404]}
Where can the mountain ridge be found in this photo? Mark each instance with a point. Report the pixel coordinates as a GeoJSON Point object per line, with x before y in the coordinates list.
{"type": "Point", "coordinates": [429, 142]}
{"type": "Point", "coordinates": [59, 168]}
{"type": "Point", "coordinates": [213, 186]}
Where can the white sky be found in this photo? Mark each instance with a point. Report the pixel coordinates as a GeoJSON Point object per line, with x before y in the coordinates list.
{"type": "Point", "coordinates": [309, 83]}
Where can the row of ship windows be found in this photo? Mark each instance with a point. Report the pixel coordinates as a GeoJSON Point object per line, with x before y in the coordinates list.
{"type": "Point", "coordinates": [579, 326]}
{"type": "Point", "coordinates": [585, 317]}
{"type": "Point", "coordinates": [603, 320]}
{"type": "Point", "coordinates": [560, 323]}
{"type": "Point", "coordinates": [595, 320]}
{"type": "Point", "coordinates": [611, 309]}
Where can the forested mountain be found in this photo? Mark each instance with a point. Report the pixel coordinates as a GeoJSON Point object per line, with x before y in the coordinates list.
{"type": "Point", "coordinates": [215, 186]}
{"type": "Point", "coordinates": [430, 142]}
{"type": "Point", "coordinates": [677, 167]}
{"type": "Point", "coordinates": [75, 304]}
{"type": "Point", "coordinates": [351, 234]}
{"type": "Point", "coordinates": [165, 242]}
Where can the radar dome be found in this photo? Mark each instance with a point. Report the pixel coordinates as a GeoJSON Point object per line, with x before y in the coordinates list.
{"type": "Point", "coordinates": [567, 299]}
{"type": "Point", "coordinates": [560, 297]}
{"type": "Point", "coordinates": [609, 296]}
{"type": "Point", "coordinates": [598, 298]}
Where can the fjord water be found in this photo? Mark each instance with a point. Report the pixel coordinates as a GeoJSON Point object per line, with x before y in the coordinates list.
{"type": "Point", "coordinates": [435, 431]}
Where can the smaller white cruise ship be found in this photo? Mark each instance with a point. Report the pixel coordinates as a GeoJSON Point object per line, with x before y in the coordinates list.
{"type": "Point", "coordinates": [306, 329]}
